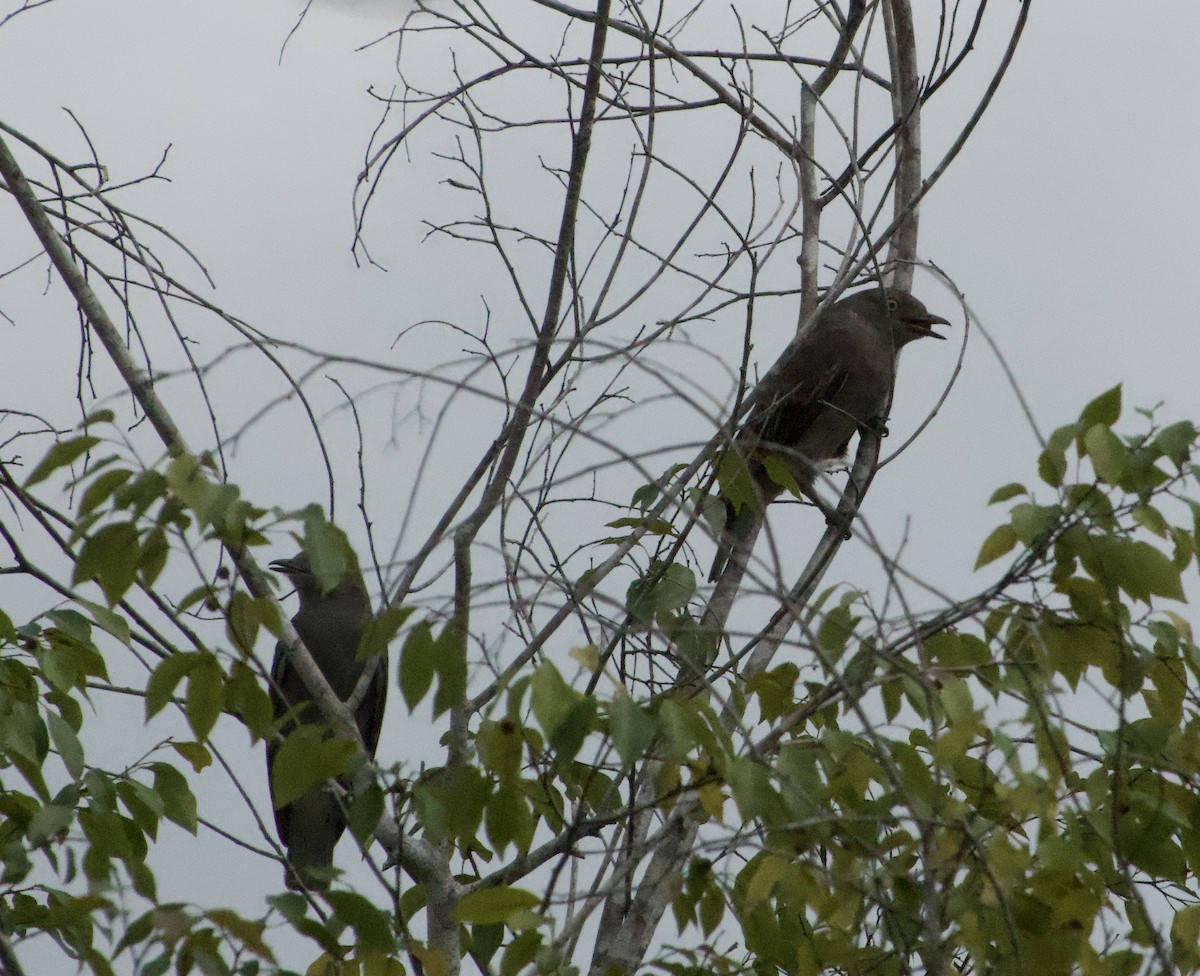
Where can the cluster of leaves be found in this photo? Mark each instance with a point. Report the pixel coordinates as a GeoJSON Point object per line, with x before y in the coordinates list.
{"type": "Point", "coordinates": [44, 669]}
{"type": "Point", "coordinates": [1044, 789]}
{"type": "Point", "coordinates": [1041, 790]}
{"type": "Point", "coordinates": [1004, 829]}
{"type": "Point", "coordinates": [85, 821]}
{"type": "Point", "coordinates": [1047, 790]}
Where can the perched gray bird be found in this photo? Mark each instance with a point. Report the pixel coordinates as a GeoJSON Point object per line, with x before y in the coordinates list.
{"type": "Point", "coordinates": [331, 626]}
{"type": "Point", "coordinates": [829, 383]}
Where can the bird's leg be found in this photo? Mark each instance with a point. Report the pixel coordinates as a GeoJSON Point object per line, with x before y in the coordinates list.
{"type": "Point", "coordinates": [839, 520]}
{"type": "Point", "coordinates": [877, 426]}
{"type": "Point", "coordinates": [832, 515]}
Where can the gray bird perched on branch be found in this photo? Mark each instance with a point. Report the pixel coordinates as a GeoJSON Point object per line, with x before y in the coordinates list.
{"type": "Point", "coordinates": [331, 624]}
{"type": "Point", "coordinates": [829, 383]}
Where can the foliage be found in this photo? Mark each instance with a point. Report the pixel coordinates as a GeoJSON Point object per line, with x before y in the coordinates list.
{"type": "Point", "coordinates": [1038, 790]}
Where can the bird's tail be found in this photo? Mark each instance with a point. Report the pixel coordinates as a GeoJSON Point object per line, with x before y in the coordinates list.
{"type": "Point", "coordinates": [740, 529]}
{"type": "Point", "coordinates": [316, 826]}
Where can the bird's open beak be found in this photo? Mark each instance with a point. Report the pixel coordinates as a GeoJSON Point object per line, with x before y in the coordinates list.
{"type": "Point", "coordinates": [924, 326]}
{"type": "Point", "coordinates": [285, 567]}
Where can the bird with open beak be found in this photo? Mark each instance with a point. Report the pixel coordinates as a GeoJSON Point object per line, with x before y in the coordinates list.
{"type": "Point", "coordinates": [833, 380]}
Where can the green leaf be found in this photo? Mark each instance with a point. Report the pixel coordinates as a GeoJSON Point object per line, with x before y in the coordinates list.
{"type": "Point", "coordinates": [1052, 463]}
{"type": "Point", "coordinates": [67, 743]}
{"type": "Point", "coordinates": [921, 790]}
{"type": "Point", "coordinates": [639, 600]}
{"type": "Point", "coordinates": [450, 662]}
{"type": "Point", "coordinates": [381, 631]}
{"type": "Point", "coordinates": [762, 882]}
{"type": "Point", "coordinates": [551, 698]}
{"type": "Point", "coordinates": [138, 932]}
{"type": "Point", "coordinates": [242, 621]}
{"type": "Point", "coordinates": [142, 492]}
{"type": "Point", "coordinates": [673, 591]}
{"type": "Point", "coordinates": [711, 509]}
{"type": "Point", "coordinates": [780, 472]}
{"type": "Point", "coordinates": [1136, 567]}
{"type": "Point", "coordinates": [1110, 458]}
{"type": "Point", "coordinates": [955, 650]}
{"type": "Point", "coordinates": [1001, 541]}
{"type": "Point", "coordinates": [145, 807]}
{"type": "Point", "coordinates": [1003, 494]}
{"type": "Point", "coordinates": [328, 549]}
{"type": "Point", "coordinates": [683, 729]}
{"type": "Point", "coordinates": [893, 698]}
{"type": "Point", "coordinates": [59, 456]}
{"type": "Point", "coordinates": [837, 627]}
{"type": "Point", "coordinates": [110, 557]}
{"type": "Point", "coordinates": [520, 952]}
{"type": "Point", "coordinates": [485, 940]}
{"type": "Point", "coordinates": [1151, 518]}
{"type": "Point", "coordinates": [694, 644]}
{"type": "Point", "coordinates": [72, 623]}
{"type": "Point", "coordinates": [307, 757]}
{"type": "Point", "coordinates": [248, 933]}
{"type": "Point", "coordinates": [164, 679]}
{"type": "Point", "coordinates": [647, 495]}
{"type": "Point", "coordinates": [152, 559]}
{"type": "Point", "coordinates": [195, 754]}
{"type": "Point", "coordinates": [712, 907]}
{"type": "Point", "coordinates": [1153, 850]}
{"type": "Point", "coordinates": [187, 480]}
{"type": "Point", "coordinates": [245, 696]}
{"type": "Point", "coordinates": [366, 809]}
{"type": "Point", "coordinates": [371, 926]}
{"type": "Point", "coordinates": [655, 526]}
{"type": "Point", "coordinates": [23, 737]}
{"type": "Point", "coordinates": [663, 589]}
{"type": "Point", "coordinates": [491, 905]}
{"type": "Point", "coordinates": [734, 481]}
{"type": "Point", "coordinates": [500, 746]}
{"type": "Point", "coordinates": [1031, 522]}
{"type": "Point", "coordinates": [416, 664]}
{"type": "Point", "coordinates": [49, 822]}
{"type": "Point", "coordinates": [1185, 937]}
{"type": "Point", "coordinates": [510, 819]}
{"type": "Point", "coordinates": [579, 721]}
{"type": "Point", "coordinates": [292, 906]}
{"type": "Point", "coordinates": [178, 800]}
{"type": "Point", "coordinates": [101, 488]}
{"type": "Point", "coordinates": [957, 700]}
{"type": "Point", "coordinates": [1105, 409]}
{"type": "Point", "coordinates": [750, 783]}
{"type": "Point", "coordinates": [108, 620]}
{"type": "Point", "coordinates": [632, 728]}
{"type": "Point", "coordinates": [776, 690]}
{"type": "Point", "coordinates": [205, 695]}
{"type": "Point", "coordinates": [1175, 442]}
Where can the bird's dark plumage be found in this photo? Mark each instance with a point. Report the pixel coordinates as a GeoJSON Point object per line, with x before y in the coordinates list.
{"type": "Point", "coordinates": [829, 383]}
{"type": "Point", "coordinates": [331, 626]}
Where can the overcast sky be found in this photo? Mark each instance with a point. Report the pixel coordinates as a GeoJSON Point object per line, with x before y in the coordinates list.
{"type": "Point", "coordinates": [1069, 221]}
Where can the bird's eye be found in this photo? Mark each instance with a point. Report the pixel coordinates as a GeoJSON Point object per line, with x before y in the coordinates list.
{"type": "Point", "coordinates": [892, 304]}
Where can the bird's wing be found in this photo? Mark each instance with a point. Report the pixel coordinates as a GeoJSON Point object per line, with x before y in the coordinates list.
{"type": "Point", "coordinates": [281, 674]}
{"type": "Point", "coordinates": [796, 397]}
{"type": "Point", "coordinates": [370, 712]}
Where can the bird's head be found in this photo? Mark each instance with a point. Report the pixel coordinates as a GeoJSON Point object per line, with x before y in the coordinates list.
{"type": "Point", "coordinates": [908, 318]}
{"type": "Point", "coordinates": [299, 572]}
